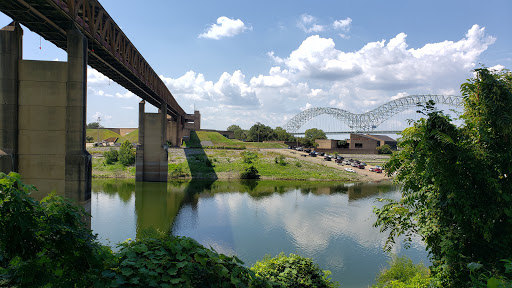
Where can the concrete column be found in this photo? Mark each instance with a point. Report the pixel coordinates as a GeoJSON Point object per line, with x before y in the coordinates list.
{"type": "Point", "coordinates": [78, 160]}
{"type": "Point", "coordinates": [139, 156]}
{"type": "Point", "coordinates": [152, 149]}
{"type": "Point", "coordinates": [10, 53]}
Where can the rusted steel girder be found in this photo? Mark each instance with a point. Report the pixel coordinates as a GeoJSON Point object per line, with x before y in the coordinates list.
{"type": "Point", "coordinates": [110, 50]}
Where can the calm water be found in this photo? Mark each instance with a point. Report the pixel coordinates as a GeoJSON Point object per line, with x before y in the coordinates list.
{"type": "Point", "coordinates": [329, 222]}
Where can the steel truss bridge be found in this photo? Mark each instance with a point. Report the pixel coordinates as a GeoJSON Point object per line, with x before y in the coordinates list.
{"type": "Point", "coordinates": [369, 121]}
{"type": "Point", "coordinates": [110, 50]}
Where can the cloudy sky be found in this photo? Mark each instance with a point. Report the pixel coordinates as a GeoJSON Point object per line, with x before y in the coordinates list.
{"type": "Point", "coordinates": [242, 62]}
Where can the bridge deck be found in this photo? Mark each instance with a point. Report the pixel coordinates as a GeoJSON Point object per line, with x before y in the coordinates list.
{"type": "Point", "coordinates": [110, 51]}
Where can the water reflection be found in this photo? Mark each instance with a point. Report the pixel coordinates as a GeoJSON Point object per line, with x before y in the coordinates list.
{"type": "Point", "coordinates": [330, 222]}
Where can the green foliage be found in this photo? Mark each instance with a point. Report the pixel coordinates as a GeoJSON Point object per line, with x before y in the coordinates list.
{"type": "Point", "coordinates": [297, 164]}
{"type": "Point", "coordinates": [484, 278]}
{"type": "Point", "coordinates": [240, 134]}
{"type": "Point", "coordinates": [177, 262]}
{"type": "Point", "coordinates": [249, 157]}
{"type": "Point", "coordinates": [293, 271]}
{"type": "Point", "coordinates": [45, 244]}
{"type": "Point", "coordinates": [126, 154]}
{"type": "Point", "coordinates": [89, 139]}
{"type": "Point", "coordinates": [280, 160]}
{"type": "Point", "coordinates": [456, 193]}
{"type": "Point", "coordinates": [111, 156]}
{"type": "Point", "coordinates": [94, 125]}
{"type": "Point", "coordinates": [314, 134]}
{"type": "Point", "coordinates": [384, 149]}
{"type": "Point", "coordinates": [403, 273]}
{"type": "Point", "coordinates": [249, 172]}
{"type": "Point", "coordinates": [259, 133]}
{"type": "Point", "coordinates": [283, 135]}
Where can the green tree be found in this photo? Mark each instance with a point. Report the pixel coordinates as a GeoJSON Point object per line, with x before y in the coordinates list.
{"type": "Point", "coordinates": [94, 125]}
{"type": "Point", "coordinates": [240, 134]}
{"type": "Point", "coordinates": [384, 149]}
{"type": "Point", "coordinates": [126, 153]}
{"type": "Point", "coordinates": [283, 135]}
{"type": "Point", "coordinates": [456, 182]}
{"type": "Point", "coordinates": [259, 133]}
{"type": "Point", "coordinates": [111, 156]}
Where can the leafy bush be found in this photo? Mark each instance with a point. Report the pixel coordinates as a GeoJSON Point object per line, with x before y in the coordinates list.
{"type": "Point", "coordinates": [298, 164]}
{"type": "Point", "coordinates": [249, 157]}
{"type": "Point", "coordinates": [177, 262]}
{"type": "Point", "coordinates": [293, 271]}
{"type": "Point", "coordinates": [249, 172]}
{"type": "Point", "coordinates": [384, 149]}
{"type": "Point", "coordinates": [45, 243]}
{"type": "Point", "coordinates": [111, 156]}
{"type": "Point", "coordinates": [126, 153]}
{"type": "Point", "coordinates": [404, 274]}
{"type": "Point", "coordinates": [482, 278]}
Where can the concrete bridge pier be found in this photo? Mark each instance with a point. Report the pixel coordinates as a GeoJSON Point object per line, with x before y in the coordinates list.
{"type": "Point", "coordinates": [151, 158]}
{"type": "Point", "coordinates": [43, 117]}
{"type": "Point", "coordinates": [174, 131]}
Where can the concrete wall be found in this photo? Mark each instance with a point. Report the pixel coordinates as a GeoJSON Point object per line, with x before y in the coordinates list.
{"type": "Point", "coordinates": [10, 53]}
{"type": "Point", "coordinates": [50, 122]}
{"type": "Point", "coordinates": [327, 143]}
{"type": "Point", "coordinates": [365, 142]}
{"type": "Point", "coordinates": [151, 158]}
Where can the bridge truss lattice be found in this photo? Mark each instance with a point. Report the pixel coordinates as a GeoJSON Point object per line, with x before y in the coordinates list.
{"type": "Point", "coordinates": [367, 122]}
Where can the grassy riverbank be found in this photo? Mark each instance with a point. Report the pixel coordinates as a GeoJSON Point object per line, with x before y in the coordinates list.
{"type": "Point", "coordinates": [195, 163]}
{"type": "Point", "coordinates": [209, 155]}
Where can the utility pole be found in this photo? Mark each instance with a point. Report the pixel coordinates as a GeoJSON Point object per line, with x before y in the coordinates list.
{"type": "Point", "coordinates": [99, 125]}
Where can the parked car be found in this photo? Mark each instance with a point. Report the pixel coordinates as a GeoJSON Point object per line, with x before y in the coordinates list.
{"type": "Point", "coordinates": [378, 170]}
{"type": "Point", "coordinates": [354, 164]}
{"type": "Point", "coordinates": [372, 169]}
{"type": "Point", "coordinates": [360, 166]}
{"type": "Point", "coordinates": [327, 158]}
{"type": "Point", "coordinates": [350, 170]}
{"type": "Point", "coordinates": [312, 154]}
{"type": "Point", "coordinates": [307, 150]}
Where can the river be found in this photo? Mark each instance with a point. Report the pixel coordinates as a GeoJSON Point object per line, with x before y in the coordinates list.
{"type": "Point", "coordinates": [329, 222]}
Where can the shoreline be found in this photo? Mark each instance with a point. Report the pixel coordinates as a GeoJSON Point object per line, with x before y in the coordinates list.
{"type": "Point", "coordinates": [220, 164]}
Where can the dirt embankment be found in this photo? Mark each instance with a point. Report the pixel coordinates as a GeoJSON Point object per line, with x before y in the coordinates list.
{"type": "Point", "coordinates": [364, 173]}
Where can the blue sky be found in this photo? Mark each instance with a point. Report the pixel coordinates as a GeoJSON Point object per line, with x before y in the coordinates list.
{"type": "Point", "coordinates": [242, 62]}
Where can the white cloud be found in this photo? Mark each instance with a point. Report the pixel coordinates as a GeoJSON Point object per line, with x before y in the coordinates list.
{"type": "Point", "coordinates": [126, 95]}
{"type": "Point", "coordinates": [95, 77]}
{"type": "Point", "coordinates": [308, 24]}
{"type": "Point", "coordinates": [103, 117]}
{"type": "Point", "coordinates": [343, 25]}
{"type": "Point", "coordinates": [225, 27]}
{"type": "Point", "coordinates": [318, 74]}
{"type": "Point", "coordinates": [230, 89]}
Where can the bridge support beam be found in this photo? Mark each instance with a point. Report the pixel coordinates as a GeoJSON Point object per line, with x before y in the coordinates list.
{"type": "Point", "coordinates": [174, 131]}
{"type": "Point", "coordinates": [151, 158]}
{"type": "Point", "coordinates": [43, 111]}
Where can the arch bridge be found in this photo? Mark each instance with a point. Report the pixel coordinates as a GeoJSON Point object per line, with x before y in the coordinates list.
{"type": "Point", "coordinates": [367, 122]}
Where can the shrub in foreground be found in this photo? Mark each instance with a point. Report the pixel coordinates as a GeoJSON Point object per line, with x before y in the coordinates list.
{"type": "Point", "coordinates": [45, 244]}
{"type": "Point", "coordinates": [293, 271]}
{"type": "Point", "coordinates": [177, 262]}
{"type": "Point", "coordinates": [402, 273]}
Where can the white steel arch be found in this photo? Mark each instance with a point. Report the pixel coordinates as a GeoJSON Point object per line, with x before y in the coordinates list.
{"type": "Point", "coordinates": [372, 119]}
